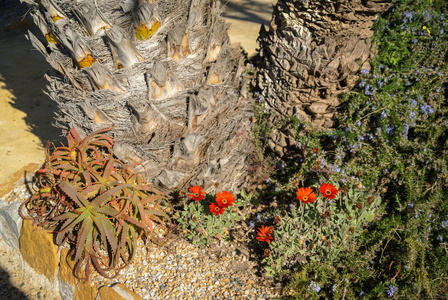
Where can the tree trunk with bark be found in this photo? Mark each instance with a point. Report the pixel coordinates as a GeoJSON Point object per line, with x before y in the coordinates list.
{"type": "Point", "coordinates": [163, 73]}
{"type": "Point", "coordinates": [312, 53]}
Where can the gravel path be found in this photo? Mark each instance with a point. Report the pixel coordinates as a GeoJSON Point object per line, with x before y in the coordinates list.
{"type": "Point", "coordinates": [183, 271]}
{"type": "Point", "coordinates": [179, 271]}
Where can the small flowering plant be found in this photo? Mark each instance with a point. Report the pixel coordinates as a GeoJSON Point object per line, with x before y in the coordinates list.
{"type": "Point", "coordinates": [328, 191]}
{"type": "Point", "coordinates": [264, 234]}
{"type": "Point", "coordinates": [306, 195]}
{"type": "Point", "coordinates": [209, 219]}
{"type": "Point", "coordinates": [321, 227]}
{"type": "Point", "coordinates": [196, 193]}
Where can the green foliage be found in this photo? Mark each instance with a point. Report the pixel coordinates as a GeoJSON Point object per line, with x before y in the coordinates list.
{"type": "Point", "coordinates": [391, 144]}
{"type": "Point", "coordinates": [96, 203]}
{"type": "Point", "coordinates": [324, 231]}
{"type": "Point", "coordinates": [203, 228]}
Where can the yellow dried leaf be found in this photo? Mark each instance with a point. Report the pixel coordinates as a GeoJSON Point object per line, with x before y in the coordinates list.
{"type": "Point", "coordinates": [55, 18]}
{"type": "Point", "coordinates": [51, 38]}
{"type": "Point", "coordinates": [214, 79]}
{"type": "Point", "coordinates": [145, 33]}
{"type": "Point", "coordinates": [87, 61]}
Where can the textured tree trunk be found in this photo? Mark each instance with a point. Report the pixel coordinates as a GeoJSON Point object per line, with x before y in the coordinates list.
{"type": "Point", "coordinates": [312, 53]}
{"type": "Point", "coordinates": [163, 73]}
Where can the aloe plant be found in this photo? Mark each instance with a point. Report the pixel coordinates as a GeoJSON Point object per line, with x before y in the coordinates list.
{"type": "Point", "coordinates": [96, 203]}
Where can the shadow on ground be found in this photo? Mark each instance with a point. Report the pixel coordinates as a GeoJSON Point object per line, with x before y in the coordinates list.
{"type": "Point", "coordinates": [7, 290]}
{"type": "Point", "coordinates": [254, 11]}
{"type": "Point", "coordinates": [22, 70]}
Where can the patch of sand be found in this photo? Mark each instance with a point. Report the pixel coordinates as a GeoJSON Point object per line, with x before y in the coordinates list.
{"type": "Point", "coordinates": [245, 18]}
{"type": "Point", "coordinates": [26, 113]}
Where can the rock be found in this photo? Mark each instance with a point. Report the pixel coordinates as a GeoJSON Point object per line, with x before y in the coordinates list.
{"type": "Point", "coordinates": [117, 291]}
{"type": "Point", "coordinates": [85, 290]}
{"type": "Point", "coordinates": [76, 288]}
{"type": "Point", "coordinates": [38, 250]}
{"type": "Point", "coordinates": [318, 108]}
{"type": "Point", "coordinates": [66, 291]}
{"type": "Point", "coordinates": [14, 179]}
{"type": "Point", "coordinates": [10, 222]}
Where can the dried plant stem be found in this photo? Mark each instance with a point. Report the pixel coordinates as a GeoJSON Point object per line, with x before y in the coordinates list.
{"type": "Point", "coordinates": [302, 206]}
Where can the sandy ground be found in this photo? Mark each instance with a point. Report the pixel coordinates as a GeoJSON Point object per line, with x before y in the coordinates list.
{"type": "Point", "coordinates": [245, 18]}
{"type": "Point", "coordinates": [26, 113]}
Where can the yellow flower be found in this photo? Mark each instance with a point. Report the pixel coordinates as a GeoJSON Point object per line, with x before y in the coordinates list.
{"type": "Point", "coordinates": [427, 30]}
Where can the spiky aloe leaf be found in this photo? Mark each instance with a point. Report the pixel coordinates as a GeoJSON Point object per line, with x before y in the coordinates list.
{"type": "Point", "coordinates": [131, 220]}
{"type": "Point", "coordinates": [101, 199]}
{"type": "Point", "coordinates": [85, 232]}
{"type": "Point", "coordinates": [107, 231]}
{"type": "Point", "coordinates": [79, 199]}
{"type": "Point", "coordinates": [107, 210]}
{"type": "Point", "coordinates": [70, 225]}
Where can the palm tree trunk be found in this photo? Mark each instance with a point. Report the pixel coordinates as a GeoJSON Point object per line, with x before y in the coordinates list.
{"type": "Point", "coordinates": [163, 73]}
{"type": "Point", "coordinates": [312, 53]}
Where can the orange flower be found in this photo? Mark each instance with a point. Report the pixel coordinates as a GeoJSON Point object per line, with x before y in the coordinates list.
{"type": "Point", "coordinates": [328, 191]}
{"type": "Point", "coordinates": [225, 199]}
{"type": "Point", "coordinates": [198, 194]}
{"type": "Point", "coordinates": [306, 195]}
{"type": "Point", "coordinates": [216, 209]}
{"type": "Point", "coordinates": [264, 234]}
{"type": "Point", "coordinates": [315, 150]}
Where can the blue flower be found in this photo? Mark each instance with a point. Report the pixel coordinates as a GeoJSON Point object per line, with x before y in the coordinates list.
{"type": "Point", "coordinates": [390, 130]}
{"type": "Point", "coordinates": [426, 109]}
{"type": "Point", "coordinates": [440, 238]}
{"type": "Point", "coordinates": [267, 181]}
{"type": "Point", "coordinates": [392, 289]}
{"type": "Point", "coordinates": [314, 286]}
{"type": "Point", "coordinates": [252, 224]}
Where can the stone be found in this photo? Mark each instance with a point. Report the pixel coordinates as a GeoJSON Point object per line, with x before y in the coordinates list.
{"type": "Point", "coordinates": [85, 290]}
{"type": "Point", "coordinates": [38, 250]}
{"type": "Point", "coordinates": [10, 224]}
{"type": "Point", "coordinates": [318, 108]}
{"type": "Point", "coordinates": [7, 186]}
{"type": "Point", "coordinates": [66, 291]}
{"type": "Point", "coordinates": [78, 289]}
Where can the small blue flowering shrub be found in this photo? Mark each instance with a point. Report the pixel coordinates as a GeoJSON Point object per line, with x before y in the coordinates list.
{"type": "Point", "coordinates": [391, 142]}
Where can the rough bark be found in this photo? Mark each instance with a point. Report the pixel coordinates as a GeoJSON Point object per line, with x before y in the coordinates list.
{"type": "Point", "coordinates": [312, 53]}
{"type": "Point", "coordinates": [163, 73]}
